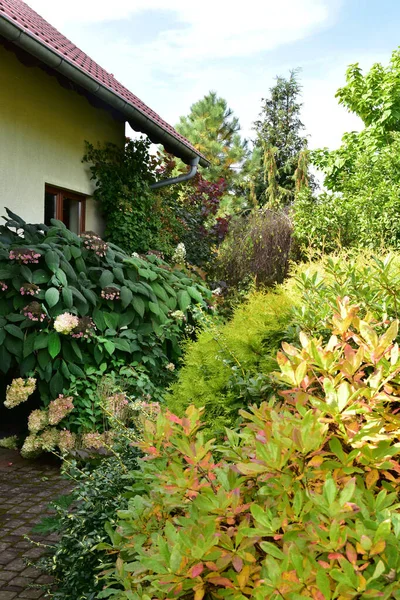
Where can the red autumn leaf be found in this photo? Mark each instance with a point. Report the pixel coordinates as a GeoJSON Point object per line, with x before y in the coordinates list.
{"type": "Point", "coordinates": [196, 570]}
{"type": "Point", "coordinates": [237, 563]}
{"type": "Point", "coordinates": [351, 554]}
{"type": "Point", "coordinates": [324, 564]}
{"type": "Point", "coordinates": [212, 566]}
{"type": "Point", "coordinates": [223, 581]}
{"type": "Point", "coordinates": [174, 418]}
{"type": "Point", "coordinates": [335, 555]}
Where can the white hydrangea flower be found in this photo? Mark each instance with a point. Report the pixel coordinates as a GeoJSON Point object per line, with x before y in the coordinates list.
{"type": "Point", "coordinates": [65, 323]}
{"type": "Point", "coordinates": [180, 253]}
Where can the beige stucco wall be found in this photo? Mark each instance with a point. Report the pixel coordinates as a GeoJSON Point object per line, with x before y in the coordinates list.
{"type": "Point", "coordinates": [43, 128]}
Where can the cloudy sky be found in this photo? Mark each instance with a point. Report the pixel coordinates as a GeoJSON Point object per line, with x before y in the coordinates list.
{"type": "Point", "coordinates": [171, 53]}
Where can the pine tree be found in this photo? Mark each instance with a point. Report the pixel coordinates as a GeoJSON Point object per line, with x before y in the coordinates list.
{"type": "Point", "coordinates": [279, 134]}
{"type": "Point", "coordinates": [213, 129]}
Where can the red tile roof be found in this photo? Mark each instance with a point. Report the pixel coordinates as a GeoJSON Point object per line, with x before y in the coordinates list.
{"type": "Point", "coordinates": [28, 21]}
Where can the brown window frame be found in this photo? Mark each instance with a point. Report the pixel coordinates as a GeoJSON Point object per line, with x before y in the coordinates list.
{"type": "Point", "coordinates": [60, 194]}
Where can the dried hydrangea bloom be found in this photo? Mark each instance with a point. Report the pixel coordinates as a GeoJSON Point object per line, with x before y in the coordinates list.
{"type": "Point", "coordinates": [66, 441]}
{"type": "Point", "coordinates": [29, 289]}
{"type": "Point", "coordinates": [19, 391]}
{"type": "Point", "coordinates": [110, 293]}
{"type": "Point", "coordinates": [60, 408]}
{"type": "Point", "coordinates": [93, 242]}
{"type": "Point", "coordinates": [34, 312]}
{"type": "Point", "coordinates": [48, 439]}
{"type": "Point", "coordinates": [93, 441]}
{"type": "Point", "coordinates": [37, 420]}
{"type": "Point", "coordinates": [65, 323]}
{"type": "Point", "coordinates": [84, 329]}
{"type": "Point", "coordinates": [3, 286]}
{"type": "Point", "coordinates": [117, 405]}
{"type": "Point", "coordinates": [31, 446]}
{"type": "Point", "coordinates": [24, 256]}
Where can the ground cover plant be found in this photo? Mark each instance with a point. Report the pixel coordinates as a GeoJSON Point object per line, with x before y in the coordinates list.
{"type": "Point", "coordinates": [74, 307]}
{"type": "Point", "coordinates": [301, 501]}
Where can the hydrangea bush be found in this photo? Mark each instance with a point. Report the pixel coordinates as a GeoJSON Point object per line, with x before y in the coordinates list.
{"type": "Point", "coordinates": [94, 309]}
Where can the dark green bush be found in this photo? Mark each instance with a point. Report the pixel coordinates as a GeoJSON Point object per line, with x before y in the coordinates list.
{"type": "Point", "coordinates": [123, 308]}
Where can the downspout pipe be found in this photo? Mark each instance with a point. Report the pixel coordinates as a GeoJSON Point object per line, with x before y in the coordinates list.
{"type": "Point", "coordinates": [173, 180]}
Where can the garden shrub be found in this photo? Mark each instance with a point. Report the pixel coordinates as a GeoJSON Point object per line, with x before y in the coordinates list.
{"type": "Point", "coordinates": [371, 281]}
{"type": "Point", "coordinates": [80, 519]}
{"type": "Point", "coordinates": [228, 365]}
{"type": "Point", "coordinates": [73, 307]}
{"type": "Point", "coordinates": [257, 248]}
{"type": "Point", "coordinates": [302, 501]}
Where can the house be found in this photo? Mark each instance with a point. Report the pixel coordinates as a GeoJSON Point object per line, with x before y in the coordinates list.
{"type": "Point", "coordinates": [53, 97]}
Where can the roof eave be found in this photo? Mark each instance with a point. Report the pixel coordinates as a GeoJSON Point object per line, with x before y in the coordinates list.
{"type": "Point", "coordinates": [136, 118]}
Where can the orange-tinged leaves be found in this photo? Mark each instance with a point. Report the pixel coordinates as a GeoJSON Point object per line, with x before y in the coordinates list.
{"type": "Point", "coordinates": [378, 548]}
{"type": "Point", "coordinates": [237, 563]}
{"type": "Point", "coordinates": [196, 570]}
{"type": "Point", "coordinates": [217, 580]}
{"type": "Point", "coordinates": [243, 577]}
{"type": "Point", "coordinates": [199, 592]}
{"type": "Point", "coordinates": [371, 478]}
{"type": "Point", "coordinates": [351, 553]}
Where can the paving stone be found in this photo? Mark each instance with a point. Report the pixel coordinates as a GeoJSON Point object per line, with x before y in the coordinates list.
{"type": "Point", "coordinates": [26, 488]}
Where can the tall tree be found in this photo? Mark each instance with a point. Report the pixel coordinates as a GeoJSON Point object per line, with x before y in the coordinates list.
{"type": "Point", "coordinates": [214, 130]}
{"type": "Point", "coordinates": [279, 134]}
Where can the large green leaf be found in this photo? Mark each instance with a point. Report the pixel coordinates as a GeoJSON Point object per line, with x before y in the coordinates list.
{"type": "Point", "coordinates": [14, 345]}
{"type": "Point", "coordinates": [52, 260]}
{"type": "Point", "coordinates": [159, 291]}
{"type": "Point", "coordinates": [126, 296]}
{"type": "Point", "coordinates": [43, 358]}
{"type": "Point", "coordinates": [184, 300]}
{"type": "Point", "coordinates": [67, 297]}
{"type": "Point", "coordinates": [112, 320]}
{"type": "Point", "coordinates": [106, 279]}
{"type": "Point", "coordinates": [56, 384]}
{"type": "Point", "coordinates": [14, 331]}
{"type": "Point", "coordinates": [138, 305]}
{"type": "Point", "coordinates": [119, 274]}
{"type": "Point", "coordinates": [52, 296]}
{"type": "Point", "coordinates": [54, 345]}
{"type": "Point", "coordinates": [90, 296]}
{"type": "Point", "coordinates": [195, 294]}
{"type": "Point", "coordinates": [41, 341]}
{"type": "Point", "coordinates": [5, 359]}
{"type": "Point", "coordinates": [98, 318]}
{"type": "Point", "coordinates": [26, 273]}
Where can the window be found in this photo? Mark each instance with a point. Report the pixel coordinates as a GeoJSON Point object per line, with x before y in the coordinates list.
{"type": "Point", "coordinates": [67, 207]}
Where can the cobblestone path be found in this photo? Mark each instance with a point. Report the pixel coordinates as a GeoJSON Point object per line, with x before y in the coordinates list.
{"type": "Point", "coordinates": [26, 488]}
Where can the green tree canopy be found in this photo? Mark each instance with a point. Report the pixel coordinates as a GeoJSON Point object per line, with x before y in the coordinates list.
{"type": "Point", "coordinates": [375, 98]}
{"type": "Point", "coordinates": [279, 135]}
{"type": "Point", "coordinates": [214, 130]}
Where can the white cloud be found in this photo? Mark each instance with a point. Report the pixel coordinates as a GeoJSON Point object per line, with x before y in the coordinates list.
{"type": "Point", "coordinates": [210, 29]}
{"type": "Point", "coordinates": [216, 45]}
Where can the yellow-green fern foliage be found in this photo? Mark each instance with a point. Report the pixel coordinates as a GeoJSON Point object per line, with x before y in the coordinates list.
{"type": "Point", "coordinates": [221, 363]}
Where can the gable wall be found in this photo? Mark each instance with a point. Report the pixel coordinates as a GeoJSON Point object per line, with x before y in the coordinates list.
{"type": "Point", "coordinates": [43, 128]}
